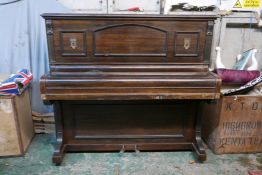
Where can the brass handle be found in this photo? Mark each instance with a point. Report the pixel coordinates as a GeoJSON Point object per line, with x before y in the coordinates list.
{"type": "Point", "coordinates": [73, 43]}
{"type": "Point", "coordinates": [187, 42]}
{"type": "Point", "coordinates": [136, 149]}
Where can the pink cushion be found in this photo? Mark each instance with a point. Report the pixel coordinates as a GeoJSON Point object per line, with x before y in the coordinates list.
{"type": "Point", "coordinates": [237, 76]}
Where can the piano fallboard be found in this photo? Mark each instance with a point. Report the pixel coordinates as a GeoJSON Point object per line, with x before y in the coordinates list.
{"type": "Point", "coordinates": [130, 87]}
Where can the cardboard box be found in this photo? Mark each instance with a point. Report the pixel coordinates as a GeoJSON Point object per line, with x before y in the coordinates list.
{"type": "Point", "coordinates": [233, 124]}
{"type": "Point", "coordinates": [16, 126]}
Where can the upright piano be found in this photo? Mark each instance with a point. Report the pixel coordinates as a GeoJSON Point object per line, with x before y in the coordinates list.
{"type": "Point", "coordinates": [128, 82]}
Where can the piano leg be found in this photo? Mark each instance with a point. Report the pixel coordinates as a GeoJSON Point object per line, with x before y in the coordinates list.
{"type": "Point", "coordinates": [58, 153]}
{"type": "Point", "coordinates": [199, 149]}
{"type": "Point", "coordinates": [60, 147]}
{"type": "Point", "coordinates": [198, 146]}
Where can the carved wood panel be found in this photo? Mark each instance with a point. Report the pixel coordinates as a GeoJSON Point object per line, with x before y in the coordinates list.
{"type": "Point", "coordinates": [88, 40]}
{"type": "Point", "coordinates": [104, 121]}
{"type": "Point", "coordinates": [130, 40]}
{"type": "Point", "coordinates": [186, 44]}
{"type": "Point", "coordinates": [72, 43]}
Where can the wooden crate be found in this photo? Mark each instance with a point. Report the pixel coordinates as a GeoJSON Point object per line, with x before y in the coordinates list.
{"type": "Point", "coordinates": [233, 124]}
{"type": "Point", "coordinates": [16, 126]}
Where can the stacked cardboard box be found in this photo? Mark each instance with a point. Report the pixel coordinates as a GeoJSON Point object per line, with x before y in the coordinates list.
{"type": "Point", "coordinates": [233, 124]}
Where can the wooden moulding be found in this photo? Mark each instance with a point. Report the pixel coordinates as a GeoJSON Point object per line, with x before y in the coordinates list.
{"type": "Point", "coordinates": [233, 124]}
{"type": "Point", "coordinates": [16, 126]}
{"type": "Point", "coordinates": [118, 88]}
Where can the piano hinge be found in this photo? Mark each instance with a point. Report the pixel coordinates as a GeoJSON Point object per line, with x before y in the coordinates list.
{"type": "Point", "coordinates": [49, 27]}
{"type": "Point", "coordinates": [210, 26]}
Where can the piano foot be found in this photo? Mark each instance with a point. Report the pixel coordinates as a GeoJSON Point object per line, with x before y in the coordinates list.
{"type": "Point", "coordinates": [198, 146]}
{"type": "Point", "coordinates": [199, 149]}
{"type": "Point", "coordinates": [58, 154]}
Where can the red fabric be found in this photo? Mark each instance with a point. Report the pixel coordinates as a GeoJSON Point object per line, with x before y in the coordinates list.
{"type": "Point", "coordinates": [237, 76]}
{"type": "Point", "coordinates": [134, 9]}
{"type": "Point", "coordinates": [255, 172]}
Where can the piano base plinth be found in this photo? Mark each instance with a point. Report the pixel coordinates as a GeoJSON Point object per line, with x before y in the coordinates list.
{"type": "Point", "coordinates": [62, 149]}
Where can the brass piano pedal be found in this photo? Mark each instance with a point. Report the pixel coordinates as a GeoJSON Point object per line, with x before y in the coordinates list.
{"type": "Point", "coordinates": [122, 149]}
{"type": "Point", "coordinates": [136, 149]}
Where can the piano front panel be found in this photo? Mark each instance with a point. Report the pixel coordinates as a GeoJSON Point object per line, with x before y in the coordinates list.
{"type": "Point", "coordinates": [121, 120]}
{"type": "Point", "coordinates": [128, 42]}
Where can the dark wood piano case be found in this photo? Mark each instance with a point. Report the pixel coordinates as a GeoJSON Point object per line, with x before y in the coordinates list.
{"type": "Point", "coordinates": [128, 83]}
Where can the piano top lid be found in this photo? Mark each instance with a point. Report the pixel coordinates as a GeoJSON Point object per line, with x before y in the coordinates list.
{"type": "Point", "coordinates": [127, 16]}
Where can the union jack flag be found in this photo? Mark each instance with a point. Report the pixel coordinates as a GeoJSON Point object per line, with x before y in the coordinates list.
{"type": "Point", "coordinates": [16, 83]}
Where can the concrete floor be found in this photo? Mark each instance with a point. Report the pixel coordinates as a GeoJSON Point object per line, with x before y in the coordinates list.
{"type": "Point", "coordinates": [37, 161]}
